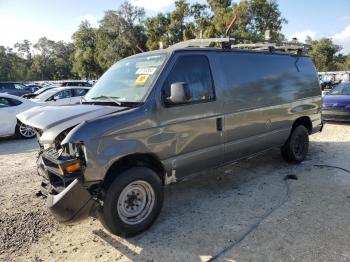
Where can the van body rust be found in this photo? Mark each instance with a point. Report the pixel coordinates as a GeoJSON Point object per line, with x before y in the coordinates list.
{"type": "Point", "coordinates": [157, 117]}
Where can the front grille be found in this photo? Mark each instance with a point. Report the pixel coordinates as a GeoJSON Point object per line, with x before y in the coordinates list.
{"type": "Point", "coordinates": [52, 152]}
{"type": "Point", "coordinates": [49, 163]}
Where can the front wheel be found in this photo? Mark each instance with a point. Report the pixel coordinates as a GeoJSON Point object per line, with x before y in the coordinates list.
{"type": "Point", "coordinates": [297, 145]}
{"type": "Point", "coordinates": [133, 202]}
{"type": "Point", "coordinates": [25, 131]}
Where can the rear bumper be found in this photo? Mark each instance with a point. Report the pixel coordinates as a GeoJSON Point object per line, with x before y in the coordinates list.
{"type": "Point", "coordinates": [334, 115]}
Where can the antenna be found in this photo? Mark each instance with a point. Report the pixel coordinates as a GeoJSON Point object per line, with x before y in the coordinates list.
{"type": "Point", "coordinates": [139, 48]}
{"type": "Point", "coordinates": [233, 21]}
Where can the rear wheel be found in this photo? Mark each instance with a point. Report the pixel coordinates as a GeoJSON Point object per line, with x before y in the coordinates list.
{"type": "Point", "coordinates": [133, 202]}
{"type": "Point", "coordinates": [25, 131]}
{"type": "Point", "coordinates": [297, 145]}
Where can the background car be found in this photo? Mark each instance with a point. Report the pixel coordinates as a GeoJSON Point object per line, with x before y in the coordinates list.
{"type": "Point", "coordinates": [62, 95]}
{"type": "Point", "coordinates": [38, 92]}
{"type": "Point", "coordinates": [14, 88]}
{"type": "Point", "coordinates": [75, 83]}
{"type": "Point", "coordinates": [336, 103]}
{"type": "Point", "coordinates": [10, 106]}
{"type": "Point", "coordinates": [34, 87]}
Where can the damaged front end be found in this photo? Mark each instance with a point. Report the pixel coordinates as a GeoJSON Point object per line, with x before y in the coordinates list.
{"type": "Point", "coordinates": [62, 169]}
{"type": "Point", "coordinates": [62, 160]}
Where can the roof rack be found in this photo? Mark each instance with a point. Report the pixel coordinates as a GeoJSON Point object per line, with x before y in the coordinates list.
{"type": "Point", "coordinates": [201, 42]}
{"type": "Point", "coordinates": [231, 42]}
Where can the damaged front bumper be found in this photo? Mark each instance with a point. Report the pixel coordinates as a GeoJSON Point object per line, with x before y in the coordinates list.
{"type": "Point", "coordinates": [71, 205]}
{"type": "Point", "coordinates": [67, 198]}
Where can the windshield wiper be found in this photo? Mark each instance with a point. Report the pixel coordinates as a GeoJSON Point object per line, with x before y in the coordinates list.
{"type": "Point", "coordinates": [110, 98]}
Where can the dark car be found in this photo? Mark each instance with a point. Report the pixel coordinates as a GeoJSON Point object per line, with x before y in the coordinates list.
{"type": "Point", "coordinates": [38, 92]}
{"type": "Point", "coordinates": [14, 88]}
{"type": "Point", "coordinates": [336, 103]}
{"type": "Point", "coordinates": [34, 87]}
{"type": "Point", "coordinates": [75, 83]}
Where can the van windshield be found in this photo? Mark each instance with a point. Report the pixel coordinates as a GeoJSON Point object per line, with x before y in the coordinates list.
{"type": "Point", "coordinates": [128, 80]}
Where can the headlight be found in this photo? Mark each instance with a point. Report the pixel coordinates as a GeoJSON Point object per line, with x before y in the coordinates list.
{"type": "Point", "coordinates": [73, 149]}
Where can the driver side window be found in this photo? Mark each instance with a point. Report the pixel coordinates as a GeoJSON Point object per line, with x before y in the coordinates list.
{"type": "Point", "coordinates": [193, 70]}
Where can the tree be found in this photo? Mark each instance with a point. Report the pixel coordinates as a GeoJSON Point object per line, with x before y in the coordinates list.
{"type": "Point", "coordinates": [265, 15]}
{"type": "Point", "coordinates": [323, 54]}
{"type": "Point", "coordinates": [84, 56]}
{"type": "Point", "coordinates": [202, 20]}
{"type": "Point", "coordinates": [222, 14]}
{"type": "Point", "coordinates": [177, 26]}
{"type": "Point", "coordinates": [157, 31]}
{"type": "Point", "coordinates": [120, 34]}
{"type": "Point", "coordinates": [346, 65]}
{"type": "Point", "coordinates": [52, 60]}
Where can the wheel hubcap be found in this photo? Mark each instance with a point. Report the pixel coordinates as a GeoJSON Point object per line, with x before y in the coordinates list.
{"type": "Point", "coordinates": [26, 131]}
{"type": "Point", "coordinates": [136, 202]}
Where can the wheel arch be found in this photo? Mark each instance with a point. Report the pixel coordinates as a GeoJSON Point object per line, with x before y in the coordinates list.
{"type": "Point", "coordinates": [304, 121]}
{"type": "Point", "coordinates": [148, 160]}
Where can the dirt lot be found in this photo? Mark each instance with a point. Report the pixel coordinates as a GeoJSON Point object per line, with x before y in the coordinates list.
{"type": "Point", "coordinates": [243, 212]}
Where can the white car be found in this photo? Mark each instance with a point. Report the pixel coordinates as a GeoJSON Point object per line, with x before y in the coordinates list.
{"type": "Point", "coordinates": [61, 95]}
{"type": "Point", "coordinates": [10, 106]}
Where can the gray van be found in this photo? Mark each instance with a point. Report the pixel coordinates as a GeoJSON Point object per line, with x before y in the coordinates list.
{"type": "Point", "coordinates": [157, 117]}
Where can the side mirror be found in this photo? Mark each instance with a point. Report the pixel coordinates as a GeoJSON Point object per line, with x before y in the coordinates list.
{"type": "Point", "coordinates": [179, 93]}
{"type": "Point", "coordinates": [55, 98]}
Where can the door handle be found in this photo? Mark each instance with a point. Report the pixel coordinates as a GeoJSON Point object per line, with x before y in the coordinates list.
{"type": "Point", "coordinates": [219, 124]}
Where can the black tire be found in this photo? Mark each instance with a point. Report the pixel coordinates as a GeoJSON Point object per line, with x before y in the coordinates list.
{"type": "Point", "coordinates": [20, 131]}
{"type": "Point", "coordinates": [110, 216]}
{"type": "Point", "coordinates": [297, 146]}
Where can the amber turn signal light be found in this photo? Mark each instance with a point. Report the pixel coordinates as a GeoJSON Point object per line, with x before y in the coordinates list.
{"type": "Point", "coordinates": [72, 167]}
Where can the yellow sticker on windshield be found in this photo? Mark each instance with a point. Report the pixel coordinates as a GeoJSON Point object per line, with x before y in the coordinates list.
{"type": "Point", "coordinates": [141, 80]}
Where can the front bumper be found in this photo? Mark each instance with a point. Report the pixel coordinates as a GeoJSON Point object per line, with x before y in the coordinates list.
{"type": "Point", "coordinates": [67, 198]}
{"type": "Point", "coordinates": [71, 205]}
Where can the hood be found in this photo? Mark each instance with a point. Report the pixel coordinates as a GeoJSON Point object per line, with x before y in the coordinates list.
{"type": "Point", "coordinates": [340, 100]}
{"type": "Point", "coordinates": [53, 120]}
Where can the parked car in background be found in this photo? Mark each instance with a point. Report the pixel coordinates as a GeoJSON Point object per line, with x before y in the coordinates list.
{"type": "Point", "coordinates": [14, 88]}
{"type": "Point", "coordinates": [75, 83]}
{"type": "Point", "coordinates": [336, 103]}
{"type": "Point", "coordinates": [61, 95]}
{"type": "Point", "coordinates": [10, 106]}
{"type": "Point", "coordinates": [154, 118]}
{"type": "Point", "coordinates": [34, 87]}
{"type": "Point", "coordinates": [38, 92]}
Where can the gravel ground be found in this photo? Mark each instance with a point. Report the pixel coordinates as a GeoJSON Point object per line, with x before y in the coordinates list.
{"type": "Point", "coordinates": [245, 212]}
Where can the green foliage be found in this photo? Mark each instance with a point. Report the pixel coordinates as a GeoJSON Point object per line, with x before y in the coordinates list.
{"type": "Point", "coordinates": [52, 60]}
{"type": "Point", "coordinates": [126, 31]}
{"type": "Point", "coordinates": [120, 34]}
{"type": "Point", "coordinates": [323, 54]}
{"type": "Point", "coordinates": [156, 31]}
{"type": "Point", "coordinates": [85, 64]}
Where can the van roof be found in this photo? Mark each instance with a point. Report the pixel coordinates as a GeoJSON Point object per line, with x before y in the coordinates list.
{"type": "Point", "coordinates": [228, 44]}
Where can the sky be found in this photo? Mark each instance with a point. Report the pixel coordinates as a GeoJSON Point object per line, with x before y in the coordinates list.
{"type": "Point", "coordinates": [58, 19]}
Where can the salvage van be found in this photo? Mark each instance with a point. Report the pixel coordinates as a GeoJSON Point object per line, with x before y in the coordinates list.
{"type": "Point", "coordinates": [156, 117]}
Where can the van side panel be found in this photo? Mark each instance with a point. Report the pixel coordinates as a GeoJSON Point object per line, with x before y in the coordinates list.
{"type": "Point", "coordinates": [263, 94]}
